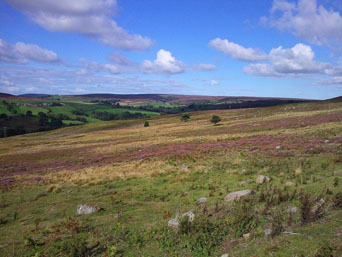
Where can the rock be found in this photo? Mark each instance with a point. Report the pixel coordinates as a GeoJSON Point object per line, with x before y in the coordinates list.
{"type": "Point", "coordinates": [184, 167]}
{"type": "Point", "coordinates": [243, 182]}
{"type": "Point", "coordinates": [267, 231]}
{"type": "Point", "coordinates": [247, 236]}
{"type": "Point", "coordinates": [289, 184]}
{"type": "Point", "coordinates": [292, 210]}
{"type": "Point", "coordinates": [225, 255]}
{"type": "Point", "coordinates": [262, 179]}
{"type": "Point", "coordinates": [190, 214]}
{"type": "Point", "coordinates": [87, 209]}
{"type": "Point", "coordinates": [243, 171]}
{"type": "Point", "coordinates": [237, 195]}
{"type": "Point", "coordinates": [277, 147]}
{"type": "Point", "coordinates": [326, 141]}
{"type": "Point", "coordinates": [175, 221]}
{"type": "Point", "coordinates": [202, 200]}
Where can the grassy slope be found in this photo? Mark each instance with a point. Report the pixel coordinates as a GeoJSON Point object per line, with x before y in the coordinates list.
{"type": "Point", "coordinates": [143, 166]}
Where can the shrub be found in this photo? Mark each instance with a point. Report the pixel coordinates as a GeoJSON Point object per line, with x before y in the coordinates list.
{"type": "Point", "coordinates": [215, 119]}
{"type": "Point", "coordinates": [28, 113]}
{"type": "Point", "coordinates": [146, 124]}
{"type": "Point", "coordinates": [185, 117]}
{"type": "Point", "coordinates": [242, 220]}
{"type": "Point", "coordinates": [337, 200]}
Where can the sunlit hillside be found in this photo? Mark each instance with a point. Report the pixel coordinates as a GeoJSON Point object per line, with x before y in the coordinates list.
{"type": "Point", "coordinates": [142, 177]}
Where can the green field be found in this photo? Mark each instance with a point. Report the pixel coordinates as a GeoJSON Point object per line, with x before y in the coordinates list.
{"type": "Point", "coordinates": [72, 111]}
{"type": "Point", "coordinates": [142, 177]}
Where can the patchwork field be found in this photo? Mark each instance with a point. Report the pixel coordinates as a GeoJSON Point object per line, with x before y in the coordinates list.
{"type": "Point", "coordinates": [142, 177]}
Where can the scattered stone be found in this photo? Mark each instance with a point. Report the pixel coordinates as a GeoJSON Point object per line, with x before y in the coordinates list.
{"type": "Point", "coordinates": [267, 231]}
{"type": "Point", "coordinates": [298, 171]}
{"type": "Point", "coordinates": [292, 210]}
{"type": "Point", "coordinates": [202, 200]}
{"type": "Point", "coordinates": [262, 179]}
{"type": "Point", "coordinates": [225, 255]}
{"type": "Point", "coordinates": [87, 209]}
{"type": "Point", "coordinates": [243, 171]}
{"type": "Point", "coordinates": [243, 182]}
{"type": "Point", "coordinates": [277, 147]}
{"type": "Point", "coordinates": [184, 167]}
{"type": "Point", "coordinates": [190, 214]}
{"type": "Point", "coordinates": [289, 184]}
{"type": "Point", "coordinates": [116, 216]}
{"type": "Point", "coordinates": [326, 141]}
{"type": "Point", "coordinates": [234, 196]}
{"type": "Point", "coordinates": [175, 221]}
{"type": "Point", "coordinates": [247, 236]}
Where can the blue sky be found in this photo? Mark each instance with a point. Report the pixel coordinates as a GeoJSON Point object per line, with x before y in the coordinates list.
{"type": "Point", "coordinates": [278, 48]}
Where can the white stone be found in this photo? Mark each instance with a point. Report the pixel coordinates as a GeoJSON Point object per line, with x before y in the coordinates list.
{"type": "Point", "coordinates": [225, 255]}
{"type": "Point", "coordinates": [267, 231]}
{"type": "Point", "coordinates": [86, 209]}
{"type": "Point", "coordinates": [237, 195]}
{"type": "Point", "coordinates": [175, 221]}
{"type": "Point", "coordinates": [262, 179]}
{"type": "Point", "coordinates": [292, 210]}
{"type": "Point", "coordinates": [202, 200]}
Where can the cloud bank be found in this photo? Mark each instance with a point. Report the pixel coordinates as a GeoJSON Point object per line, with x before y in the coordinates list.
{"type": "Point", "coordinates": [85, 17]}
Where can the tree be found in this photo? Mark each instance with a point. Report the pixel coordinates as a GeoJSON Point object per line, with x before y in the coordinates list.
{"type": "Point", "coordinates": [215, 119]}
{"type": "Point", "coordinates": [185, 117]}
{"type": "Point", "coordinates": [29, 113]}
{"type": "Point", "coordinates": [146, 124]}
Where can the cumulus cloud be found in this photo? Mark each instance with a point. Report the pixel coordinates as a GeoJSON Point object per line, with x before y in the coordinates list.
{"type": "Point", "coordinates": [165, 63]}
{"type": "Point", "coordinates": [295, 61]}
{"type": "Point", "coordinates": [237, 51]}
{"type": "Point", "coordinates": [85, 17]}
{"type": "Point", "coordinates": [333, 81]}
{"type": "Point", "coordinates": [21, 53]}
{"type": "Point", "coordinates": [307, 21]}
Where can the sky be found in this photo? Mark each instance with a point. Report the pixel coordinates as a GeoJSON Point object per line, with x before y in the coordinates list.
{"type": "Point", "coordinates": [270, 48]}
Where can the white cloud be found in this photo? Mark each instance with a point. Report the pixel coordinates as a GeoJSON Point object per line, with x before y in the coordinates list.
{"type": "Point", "coordinates": [214, 83]}
{"type": "Point", "coordinates": [295, 61]}
{"type": "Point", "coordinates": [70, 81]}
{"type": "Point", "coordinates": [308, 21]}
{"type": "Point", "coordinates": [165, 63]}
{"type": "Point", "coordinates": [237, 51]}
{"type": "Point", "coordinates": [21, 53]}
{"type": "Point", "coordinates": [333, 81]}
{"type": "Point", "coordinates": [86, 17]}
{"type": "Point", "coordinates": [204, 67]}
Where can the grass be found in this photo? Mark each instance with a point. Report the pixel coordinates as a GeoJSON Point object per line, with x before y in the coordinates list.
{"type": "Point", "coordinates": [142, 177]}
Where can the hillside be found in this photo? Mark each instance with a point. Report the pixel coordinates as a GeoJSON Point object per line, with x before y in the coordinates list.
{"type": "Point", "coordinates": [140, 178]}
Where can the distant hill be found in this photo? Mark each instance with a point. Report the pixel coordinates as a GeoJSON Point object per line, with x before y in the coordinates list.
{"type": "Point", "coordinates": [34, 95]}
{"type": "Point", "coordinates": [4, 95]}
{"type": "Point", "coordinates": [171, 98]}
{"type": "Point", "coordinates": [335, 99]}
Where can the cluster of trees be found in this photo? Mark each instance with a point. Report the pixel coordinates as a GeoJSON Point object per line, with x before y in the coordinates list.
{"type": "Point", "coordinates": [106, 116]}
{"type": "Point", "coordinates": [214, 119]}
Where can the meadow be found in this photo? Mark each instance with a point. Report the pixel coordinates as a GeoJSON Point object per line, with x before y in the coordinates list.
{"type": "Point", "coordinates": [142, 177]}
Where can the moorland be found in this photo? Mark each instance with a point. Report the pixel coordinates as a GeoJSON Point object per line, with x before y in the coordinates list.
{"type": "Point", "coordinates": [165, 189]}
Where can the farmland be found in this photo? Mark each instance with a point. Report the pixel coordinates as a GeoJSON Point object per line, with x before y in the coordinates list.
{"type": "Point", "coordinates": [142, 177]}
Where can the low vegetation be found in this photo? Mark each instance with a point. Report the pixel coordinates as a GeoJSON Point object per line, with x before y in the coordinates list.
{"type": "Point", "coordinates": [139, 179]}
